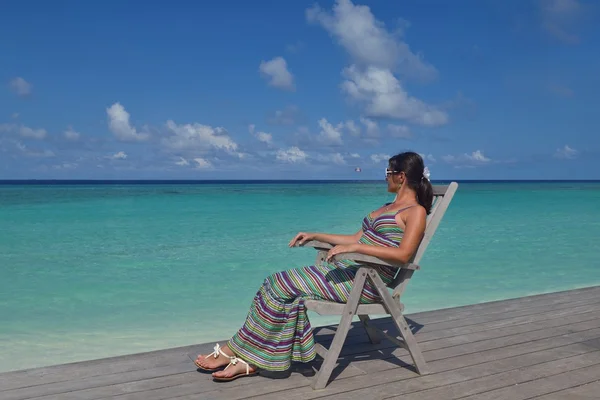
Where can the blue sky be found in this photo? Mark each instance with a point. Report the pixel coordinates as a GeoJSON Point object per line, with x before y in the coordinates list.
{"type": "Point", "coordinates": [484, 89]}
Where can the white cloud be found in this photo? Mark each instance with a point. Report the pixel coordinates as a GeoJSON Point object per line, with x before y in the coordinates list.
{"type": "Point", "coordinates": [20, 86]}
{"type": "Point", "coordinates": [264, 137]}
{"type": "Point", "coordinates": [377, 54]}
{"type": "Point", "coordinates": [121, 155]}
{"type": "Point", "coordinates": [383, 96]}
{"type": "Point", "coordinates": [198, 137]}
{"type": "Point", "coordinates": [119, 125]}
{"type": "Point", "coordinates": [70, 134]}
{"type": "Point", "coordinates": [354, 155]}
{"type": "Point", "coordinates": [337, 158]}
{"type": "Point", "coordinates": [287, 116]}
{"type": "Point", "coordinates": [566, 152]}
{"type": "Point", "coordinates": [182, 162]}
{"type": "Point", "coordinates": [367, 40]}
{"type": "Point", "coordinates": [329, 134]}
{"type": "Point", "coordinates": [352, 128]}
{"type": "Point", "coordinates": [202, 163]}
{"type": "Point", "coordinates": [331, 158]}
{"type": "Point", "coordinates": [378, 158]}
{"type": "Point", "coordinates": [291, 155]}
{"type": "Point", "coordinates": [261, 136]}
{"type": "Point", "coordinates": [427, 157]}
{"type": "Point", "coordinates": [277, 72]}
{"type": "Point", "coordinates": [28, 132]}
{"type": "Point", "coordinates": [475, 158]}
{"type": "Point", "coordinates": [65, 166]}
{"type": "Point", "coordinates": [559, 17]}
{"type": "Point", "coordinates": [371, 127]}
{"type": "Point", "coordinates": [399, 131]}
{"type": "Point", "coordinates": [33, 152]}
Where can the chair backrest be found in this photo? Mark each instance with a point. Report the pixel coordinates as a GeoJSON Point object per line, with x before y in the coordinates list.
{"type": "Point", "coordinates": [442, 196]}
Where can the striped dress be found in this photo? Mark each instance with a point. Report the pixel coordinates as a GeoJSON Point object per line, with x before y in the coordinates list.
{"type": "Point", "coordinates": [277, 330]}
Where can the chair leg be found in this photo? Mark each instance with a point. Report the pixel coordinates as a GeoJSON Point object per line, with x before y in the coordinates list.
{"type": "Point", "coordinates": [322, 377]}
{"type": "Point", "coordinates": [374, 336]}
{"type": "Point", "coordinates": [411, 344]}
{"type": "Point", "coordinates": [394, 309]}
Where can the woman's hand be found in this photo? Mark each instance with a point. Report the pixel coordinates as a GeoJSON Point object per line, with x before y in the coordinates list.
{"type": "Point", "coordinates": [339, 249]}
{"type": "Point", "coordinates": [301, 238]}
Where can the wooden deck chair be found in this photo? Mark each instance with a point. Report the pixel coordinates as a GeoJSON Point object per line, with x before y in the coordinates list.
{"type": "Point", "coordinates": [390, 304]}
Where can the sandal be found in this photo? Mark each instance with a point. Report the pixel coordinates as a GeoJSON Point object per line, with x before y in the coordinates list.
{"type": "Point", "coordinates": [215, 354]}
{"type": "Point", "coordinates": [234, 361]}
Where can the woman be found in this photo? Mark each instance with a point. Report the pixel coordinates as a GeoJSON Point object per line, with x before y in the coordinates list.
{"type": "Point", "coordinates": [277, 330]}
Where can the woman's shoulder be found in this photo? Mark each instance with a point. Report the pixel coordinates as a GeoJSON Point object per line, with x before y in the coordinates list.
{"type": "Point", "coordinates": [415, 211]}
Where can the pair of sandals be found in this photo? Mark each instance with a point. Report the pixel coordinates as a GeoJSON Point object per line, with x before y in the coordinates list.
{"type": "Point", "coordinates": [234, 361]}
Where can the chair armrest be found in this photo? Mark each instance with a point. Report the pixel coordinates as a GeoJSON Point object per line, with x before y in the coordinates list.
{"type": "Point", "coordinates": [357, 256]}
{"type": "Point", "coordinates": [364, 259]}
{"type": "Point", "coordinates": [317, 245]}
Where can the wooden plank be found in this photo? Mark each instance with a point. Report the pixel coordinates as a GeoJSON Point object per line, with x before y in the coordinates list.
{"type": "Point", "coordinates": [504, 306]}
{"type": "Point", "coordinates": [490, 317]}
{"type": "Point", "coordinates": [114, 380]}
{"type": "Point", "coordinates": [343, 371]}
{"type": "Point", "coordinates": [372, 333]}
{"type": "Point", "coordinates": [579, 373]}
{"type": "Point", "coordinates": [587, 391]}
{"type": "Point", "coordinates": [375, 366]}
{"type": "Point", "coordinates": [459, 326]}
{"type": "Point", "coordinates": [393, 378]}
{"type": "Point", "coordinates": [540, 309]}
{"type": "Point", "coordinates": [478, 319]}
{"type": "Point", "coordinates": [160, 388]}
{"type": "Point", "coordinates": [164, 357]}
{"type": "Point", "coordinates": [394, 374]}
{"type": "Point", "coordinates": [425, 335]}
{"type": "Point", "coordinates": [123, 364]}
{"type": "Point", "coordinates": [445, 334]}
{"type": "Point", "coordinates": [473, 380]}
{"type": "Point", "coordinates": [111, 365]}
{"type": "Point", "coordinates": [215, 391]}
{"type": "Point", "coordinates": [176, 373]}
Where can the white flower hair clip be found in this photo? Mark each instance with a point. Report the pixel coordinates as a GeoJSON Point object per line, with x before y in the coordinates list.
{"type": "Point", "coordinates": [426, 173]}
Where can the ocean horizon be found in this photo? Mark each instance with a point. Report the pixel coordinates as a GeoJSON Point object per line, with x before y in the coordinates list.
{"type": "Point", "coordinates": [97, 268]}
{"type": "Point", "coordinates": [175, 181]}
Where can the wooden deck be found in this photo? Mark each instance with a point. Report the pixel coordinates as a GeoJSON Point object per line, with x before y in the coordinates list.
{"type": "Point", "coordinates": [544, 347]}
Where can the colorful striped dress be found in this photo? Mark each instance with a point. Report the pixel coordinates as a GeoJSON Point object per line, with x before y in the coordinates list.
{"type": "Point", "coordinates": [277, 330]}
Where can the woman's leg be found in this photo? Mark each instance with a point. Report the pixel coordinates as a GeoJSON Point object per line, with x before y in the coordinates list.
{"type": "Point", "coordinates": [277, 330]}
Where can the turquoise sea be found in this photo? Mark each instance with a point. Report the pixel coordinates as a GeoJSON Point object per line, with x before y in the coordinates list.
{"type": "Point", "coordinates": [95, 270]}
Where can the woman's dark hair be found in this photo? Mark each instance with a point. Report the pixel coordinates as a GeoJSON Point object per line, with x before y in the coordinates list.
{"type": "Point", "coordinates": [412, 165]}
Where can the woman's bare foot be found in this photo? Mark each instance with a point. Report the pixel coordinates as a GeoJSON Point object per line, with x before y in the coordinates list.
{"type": "Point", "coordinates": [210, 362]}
{"type": "Point", "coordinates": [237, 368]}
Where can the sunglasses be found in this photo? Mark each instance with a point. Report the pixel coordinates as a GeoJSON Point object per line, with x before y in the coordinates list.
{"type": "Point", "coordinates": [389, 172]}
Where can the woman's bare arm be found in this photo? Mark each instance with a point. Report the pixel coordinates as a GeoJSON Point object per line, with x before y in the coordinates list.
{"type": "Point", "coordinates": [338, 239]}
{"type": "Point", "coordinates": [415, 223]}
{"type": "Point", "coordinates": [330, 238]}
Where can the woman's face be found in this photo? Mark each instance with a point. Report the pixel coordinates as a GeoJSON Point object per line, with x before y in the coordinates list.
{"type": "Point", "coordinates": [391, 177]}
